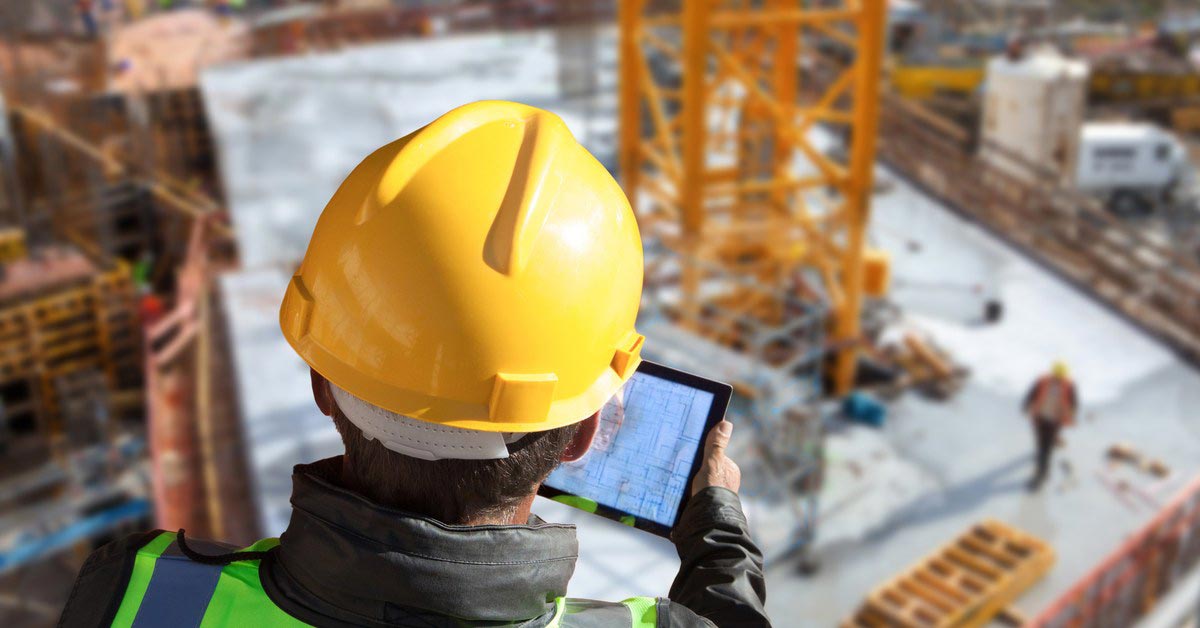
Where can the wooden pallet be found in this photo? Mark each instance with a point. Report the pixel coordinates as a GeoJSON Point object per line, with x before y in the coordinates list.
{"type": "Point", "coordinates": [965, 583]}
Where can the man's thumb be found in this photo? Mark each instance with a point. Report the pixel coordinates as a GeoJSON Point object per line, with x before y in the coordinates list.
{"type": "Point", "coordinates": [718, 437]}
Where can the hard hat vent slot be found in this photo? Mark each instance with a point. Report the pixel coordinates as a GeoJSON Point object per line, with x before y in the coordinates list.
{"type": "Point", "coordinates": [625, 360]}
{"type": "Point", "coordinates": [521, 397]}
{"type": "Point", "coordinates": [298, 302]}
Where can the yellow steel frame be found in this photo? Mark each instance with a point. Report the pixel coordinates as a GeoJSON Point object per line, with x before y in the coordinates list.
{"type": "Point", "coordinates": [717, 152]}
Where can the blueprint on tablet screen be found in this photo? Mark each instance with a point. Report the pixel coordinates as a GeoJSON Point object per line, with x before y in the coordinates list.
{"type": "Point", "coordinates": [643, 452]}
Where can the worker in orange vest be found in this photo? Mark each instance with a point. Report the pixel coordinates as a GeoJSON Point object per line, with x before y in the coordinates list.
{"type": "Point", "coordinates": [1050, 404]}
{"type": "Point", "coordinates": [84, 8]}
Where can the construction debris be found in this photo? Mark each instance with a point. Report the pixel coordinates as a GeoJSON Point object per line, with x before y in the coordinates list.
{"type": "Point", "coordinates": [1128, 454]}
{"type": "Point", "coordinates": [918, 363]}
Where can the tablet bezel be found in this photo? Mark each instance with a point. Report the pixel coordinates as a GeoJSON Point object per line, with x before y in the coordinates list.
{"type": "Point", "coordinates": [721, 394]}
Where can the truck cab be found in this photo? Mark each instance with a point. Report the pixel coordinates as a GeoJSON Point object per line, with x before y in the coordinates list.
{"type": "Point", "coordinates": [1134, 167]}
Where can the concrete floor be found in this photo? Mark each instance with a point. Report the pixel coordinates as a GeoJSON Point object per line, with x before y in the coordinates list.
{"type": "Point", "coordinates": [893, 495]}
{"type": "Point", "coordinates": [33, 597]}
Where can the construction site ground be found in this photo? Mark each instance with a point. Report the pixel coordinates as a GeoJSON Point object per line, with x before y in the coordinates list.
{"type": "Point", "coordinates": [891, 495]}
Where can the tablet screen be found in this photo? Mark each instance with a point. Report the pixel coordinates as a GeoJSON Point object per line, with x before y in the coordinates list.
{"type": "Point", "coordinates": [642, 457]}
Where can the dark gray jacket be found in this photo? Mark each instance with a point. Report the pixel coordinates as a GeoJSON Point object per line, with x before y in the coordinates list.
{"type": "Point", "coordinates": [345, 561]}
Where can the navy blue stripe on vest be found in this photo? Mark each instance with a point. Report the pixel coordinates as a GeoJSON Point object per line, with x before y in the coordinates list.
{"type": "Point", "coordinates": [179, 592]}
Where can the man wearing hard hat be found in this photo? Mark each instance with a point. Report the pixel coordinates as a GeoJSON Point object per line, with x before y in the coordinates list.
{"type": "Point", "coordinates": [1050, 404]}
{"type": "Point", "coordinates": [466, 306]}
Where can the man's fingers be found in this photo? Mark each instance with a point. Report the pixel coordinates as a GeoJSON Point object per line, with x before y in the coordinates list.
{"type": "Point", "coordinates": [717, 469]}
{"type": "Point", "coordinates": [718, 439]}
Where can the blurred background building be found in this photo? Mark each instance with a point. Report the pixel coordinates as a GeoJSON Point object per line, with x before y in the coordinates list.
{"type": "Point", "coordinates": [880, 221]}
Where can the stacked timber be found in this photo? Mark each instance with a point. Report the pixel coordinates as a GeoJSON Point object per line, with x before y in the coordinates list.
{"type": "Point", "coordinates": [965, 583]}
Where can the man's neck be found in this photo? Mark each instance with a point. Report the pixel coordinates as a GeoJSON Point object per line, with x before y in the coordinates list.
{"type": "Point", "coordinates": [516, 515]}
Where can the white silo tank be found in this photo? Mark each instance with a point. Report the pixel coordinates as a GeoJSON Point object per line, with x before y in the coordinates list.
{"type": "Point", "coordinates": [1033, 107]}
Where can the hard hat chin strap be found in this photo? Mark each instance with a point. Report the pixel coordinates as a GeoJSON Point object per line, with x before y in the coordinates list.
{"type": "Point", "coordinates": [421, 439]}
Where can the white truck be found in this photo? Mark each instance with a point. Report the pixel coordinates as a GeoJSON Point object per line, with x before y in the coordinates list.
{"type": "Point", "coordinates": [1134, 167]}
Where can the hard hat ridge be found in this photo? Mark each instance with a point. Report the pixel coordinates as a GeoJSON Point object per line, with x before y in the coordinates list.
{"type": "Point", "coordinates": [531, 192]}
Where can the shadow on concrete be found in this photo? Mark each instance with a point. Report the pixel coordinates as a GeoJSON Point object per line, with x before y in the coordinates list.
{"type": "Point", "coordinates": [957, 498]}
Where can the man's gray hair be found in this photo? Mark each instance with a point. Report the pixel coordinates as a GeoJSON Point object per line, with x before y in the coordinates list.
{"type": "Point", "coordinates": [451, 491]}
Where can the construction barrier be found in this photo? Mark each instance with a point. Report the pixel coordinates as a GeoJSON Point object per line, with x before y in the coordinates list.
{"type": "Point", "coordinates": [1128, 583]}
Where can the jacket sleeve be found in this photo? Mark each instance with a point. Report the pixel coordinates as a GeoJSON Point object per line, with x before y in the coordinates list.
{"type": "Point", "coordinates": [101, 583]}
{"type": "Point", "coordinates": [721, 570]}
{"type": "Point", "coordinates": [1029, 396]}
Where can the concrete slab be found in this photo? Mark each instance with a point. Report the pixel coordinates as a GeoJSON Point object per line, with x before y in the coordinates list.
{"type": "Point", "coordinates": [893, 495]}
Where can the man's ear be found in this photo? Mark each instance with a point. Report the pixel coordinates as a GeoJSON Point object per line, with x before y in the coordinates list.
{"type": "Point", "coordinates": [582, 441]}
{"type": "Point", "coordinates": [321, 393]}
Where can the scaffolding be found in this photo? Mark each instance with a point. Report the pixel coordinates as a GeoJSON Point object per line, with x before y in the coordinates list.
{"type": "Point", "coordinates": [101, 190]}
{"type": "Point", "coordinates": [68, 336]}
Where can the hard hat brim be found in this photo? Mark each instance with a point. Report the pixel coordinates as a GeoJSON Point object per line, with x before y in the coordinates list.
{"type": "Point", "coordinates": [455, 413]}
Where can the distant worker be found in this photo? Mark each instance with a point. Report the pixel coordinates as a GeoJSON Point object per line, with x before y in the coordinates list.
{"type": "Point", "coordinates": [226, 8]}
{"type": "Point", "coordinates": [87, 15]}
{"type": "Point", "coordinates": [134, 9]}
{"type": "Point", "coordinates": [466, 306]}
{"type": "Point", "coordinates": [1050, 404]}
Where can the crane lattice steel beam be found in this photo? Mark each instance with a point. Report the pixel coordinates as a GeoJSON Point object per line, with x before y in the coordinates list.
{"type": "Point", "coordinates": [720, 161]}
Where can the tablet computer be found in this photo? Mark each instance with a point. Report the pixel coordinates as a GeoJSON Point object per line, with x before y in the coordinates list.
{"type": "Point", "coordinates": [648, 447]}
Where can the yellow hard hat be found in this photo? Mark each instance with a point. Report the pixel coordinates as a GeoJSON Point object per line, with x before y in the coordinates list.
{"type": "Point", "coordinates": [483, 272]}
{"type": "Point", "coordinates": [1060, 369]}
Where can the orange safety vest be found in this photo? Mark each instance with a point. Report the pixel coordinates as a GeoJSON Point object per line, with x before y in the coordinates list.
{"type": "Point", "coordinates": [1063, 402]}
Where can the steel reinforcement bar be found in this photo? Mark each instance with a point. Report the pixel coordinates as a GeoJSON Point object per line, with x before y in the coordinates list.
{"type": "Point", "coordinates": [1131, 580]}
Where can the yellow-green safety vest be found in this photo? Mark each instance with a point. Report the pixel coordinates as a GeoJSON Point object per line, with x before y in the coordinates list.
{"type": "Point", "coordinates": [169, 589]}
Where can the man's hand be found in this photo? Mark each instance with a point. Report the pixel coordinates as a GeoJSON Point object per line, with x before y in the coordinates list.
{"type": "Point", "coordinates": [717, 469]}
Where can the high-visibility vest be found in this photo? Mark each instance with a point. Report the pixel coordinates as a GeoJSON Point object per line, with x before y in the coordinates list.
{"type": "Point", "coordinates": [1051, 399]}
{"type": "Point", "coordinates": [167, 588]}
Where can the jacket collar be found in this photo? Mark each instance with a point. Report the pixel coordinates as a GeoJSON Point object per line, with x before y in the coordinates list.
{"type": "Point", "coordinates": [378, 562]}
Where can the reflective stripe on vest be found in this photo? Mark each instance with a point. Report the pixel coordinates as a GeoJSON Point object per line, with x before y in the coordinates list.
{"type": "Point", "coordinates": [639, 612]}
{"type": "Point", "coordinates": [643, 611]}
{"type": "Point", "coordinates": [168, 589]}
{"type": "Point", "coordinates": [1051, 399]}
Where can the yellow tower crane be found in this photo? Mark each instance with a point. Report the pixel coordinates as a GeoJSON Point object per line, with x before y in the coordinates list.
{"type": "Point", "coordinates": [719, 153]}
